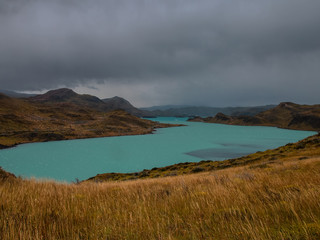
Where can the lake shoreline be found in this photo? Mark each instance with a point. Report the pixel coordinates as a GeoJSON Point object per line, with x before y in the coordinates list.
{"type": "Point", "coordinates": [6, 147]}
{"type": "Point", "coordinates": [304, 149]}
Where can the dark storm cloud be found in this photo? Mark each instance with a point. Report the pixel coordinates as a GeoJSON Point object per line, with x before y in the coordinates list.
{"type": "Point", "coordinates": [207, 47]}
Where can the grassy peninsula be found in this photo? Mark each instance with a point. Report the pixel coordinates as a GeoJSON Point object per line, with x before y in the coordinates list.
{"type": "Point", "coordinates": [25, 120]}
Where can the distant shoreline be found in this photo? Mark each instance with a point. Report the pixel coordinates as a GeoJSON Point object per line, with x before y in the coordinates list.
{"type": "Point", "coordinates": [183, 168]}
{"type": "Point", "coordinates": [150, 131]}
{"type": "Point", "coordinates": [274, 126]}
{"type": "Point", "coordinates": [286, 115]}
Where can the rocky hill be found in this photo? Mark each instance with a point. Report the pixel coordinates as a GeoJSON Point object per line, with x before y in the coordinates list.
{"type": "Point", "coordinates": [285, 115]}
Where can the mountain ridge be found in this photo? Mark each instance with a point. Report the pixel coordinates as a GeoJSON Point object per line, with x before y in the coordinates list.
{"type": "Point", "coordinates": [203, 111]}
{"type": "Point", "coordinates": [16, 94]}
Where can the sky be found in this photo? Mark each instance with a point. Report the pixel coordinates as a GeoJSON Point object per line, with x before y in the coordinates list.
{"type": "Point", "coordinates": [157, 52]}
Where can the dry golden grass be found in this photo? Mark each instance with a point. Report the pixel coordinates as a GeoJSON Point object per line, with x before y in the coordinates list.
{"type": "Point", "coordinates": [280, 201]}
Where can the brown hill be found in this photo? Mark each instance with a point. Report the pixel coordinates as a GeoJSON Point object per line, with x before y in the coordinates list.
{"type": "Point", "coordinates": [285, 115]}
{"type": "Point", "coordinates": [68, 96]}
{"type": "Point", "coordinates": [65, 95]}
{"type": "Point", "coordinates": [24, 121]}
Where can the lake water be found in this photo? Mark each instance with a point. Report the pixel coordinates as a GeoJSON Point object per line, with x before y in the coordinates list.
{"type": "Point", "coordinates": [84, 158]}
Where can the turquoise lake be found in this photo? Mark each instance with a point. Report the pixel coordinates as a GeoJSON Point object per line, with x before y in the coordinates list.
{"type": "Point", "coordinates": [84, 158]}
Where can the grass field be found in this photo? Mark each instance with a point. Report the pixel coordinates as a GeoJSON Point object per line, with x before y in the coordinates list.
{"type": "Point", "coordinates": [278, 201]}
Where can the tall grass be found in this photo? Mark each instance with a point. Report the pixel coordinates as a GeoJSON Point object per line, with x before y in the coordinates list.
{"type": "Point", "coordinates": [281, 201]}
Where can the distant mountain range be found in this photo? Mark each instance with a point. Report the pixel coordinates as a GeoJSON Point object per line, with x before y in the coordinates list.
{"type": "Point", "coordinates": [187, 111]}
{"type": "Point", "coordinates": [68, 96]}
{"type": "Point", "coordinates": [285, 115]}
{"type": "Point", "coordinates": [164, 107]}
{"type": "Point", "coordinates": [16, 94]}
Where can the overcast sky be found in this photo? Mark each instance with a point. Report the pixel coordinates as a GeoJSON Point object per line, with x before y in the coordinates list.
{"type": "Point", "coordinates": [204, 52]}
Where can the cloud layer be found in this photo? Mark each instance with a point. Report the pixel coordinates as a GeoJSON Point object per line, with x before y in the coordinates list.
{"type": "Point", "coordinates": [212, 52]}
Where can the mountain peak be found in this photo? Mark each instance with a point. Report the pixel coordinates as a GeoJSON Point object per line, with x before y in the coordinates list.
{"type": "Point", "coordinates": [56, 95]}
{"type": "Point", "coordinates": [121, 103]}
{"type": "Point", "coordinates": [114, 98]}
{"type": "Point", "coordinates": [62, 92]}
{"type": "Point", "coordinates": [118, 101]}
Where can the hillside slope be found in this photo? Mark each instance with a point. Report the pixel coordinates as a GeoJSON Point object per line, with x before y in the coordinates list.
{"type": "Point", "coordinates": [285, 115]}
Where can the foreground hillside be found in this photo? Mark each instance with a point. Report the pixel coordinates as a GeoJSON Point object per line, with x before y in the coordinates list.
{"type": "Point", "coordinates": [278, 200]}
{"type": "Point", "coordinates": [285, 115]}
{"type": "Point", "coordinates": [23, 121]}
